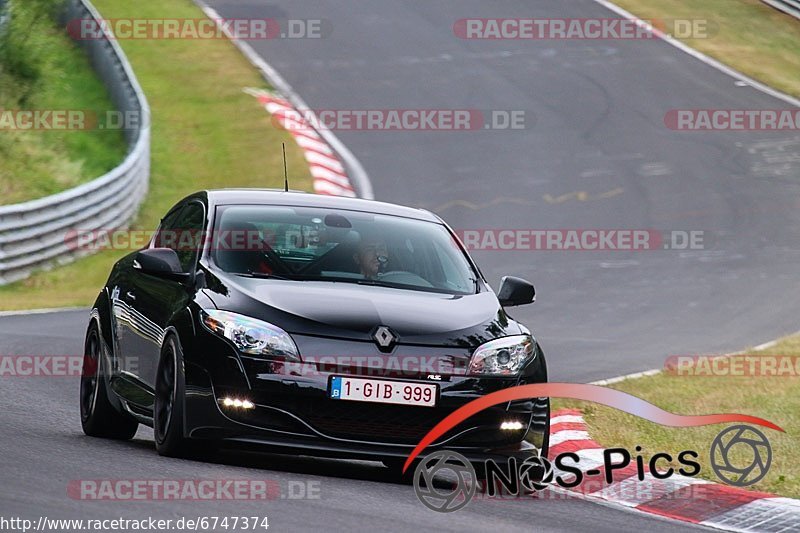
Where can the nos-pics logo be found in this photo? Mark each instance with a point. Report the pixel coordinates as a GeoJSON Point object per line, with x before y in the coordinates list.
{"type": "Point", "coordinates": [446, 481]}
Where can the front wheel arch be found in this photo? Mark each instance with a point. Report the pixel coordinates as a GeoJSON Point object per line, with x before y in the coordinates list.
{"type": "Point", "coordinates": [99, 417]}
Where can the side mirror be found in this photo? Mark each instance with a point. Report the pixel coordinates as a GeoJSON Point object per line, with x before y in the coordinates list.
{"type": "Point", "coordinates": [515, 291]}
{"type": "Point", "coordinates": [161, 263]}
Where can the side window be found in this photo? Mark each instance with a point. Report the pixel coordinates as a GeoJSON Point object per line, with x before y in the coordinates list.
{"type": "Point", "coordinates": [182, 231]}
{"type": "Point", "coordinates": [190, 227]}
{"type": "Point", "coordinates": [163, 237]}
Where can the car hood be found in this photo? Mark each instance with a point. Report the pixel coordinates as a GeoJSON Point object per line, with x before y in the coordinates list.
{"type": "Point", "coordinates": [351, 311]}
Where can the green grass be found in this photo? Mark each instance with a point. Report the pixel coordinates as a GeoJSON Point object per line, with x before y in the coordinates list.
{"type": "Point", "coordinates": [55, 75]}
{"type": "Point", "coordinates": [773, 398]}
{"type": "Point", "coordinates": [206, 134]}
{"type": "Point", "coordinates": [748, 35]}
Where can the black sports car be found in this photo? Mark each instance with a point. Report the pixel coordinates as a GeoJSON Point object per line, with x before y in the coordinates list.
{"type": "Point", "coordinates": [312, 325]}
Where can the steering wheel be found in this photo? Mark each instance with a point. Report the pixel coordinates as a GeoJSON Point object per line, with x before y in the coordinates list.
{"type": "Point", "coordinates": [309, 267]}
{"type": "Point", "coordinates": [278, 263]}
{"type": "Point", "coordinates": [404, 277]}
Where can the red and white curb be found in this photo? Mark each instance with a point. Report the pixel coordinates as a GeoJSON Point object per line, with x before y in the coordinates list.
{"type": "Point", "coordinates": [679, 497]}
{"type": "Point", "coordinates": [330, 175]}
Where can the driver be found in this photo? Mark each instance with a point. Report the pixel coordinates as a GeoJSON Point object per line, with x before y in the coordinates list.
{"type": "Point", "coordinates": [371, 256]}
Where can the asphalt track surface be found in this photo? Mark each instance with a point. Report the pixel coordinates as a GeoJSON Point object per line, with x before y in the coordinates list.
{"type": "Point", "coordinates": [598, 108]}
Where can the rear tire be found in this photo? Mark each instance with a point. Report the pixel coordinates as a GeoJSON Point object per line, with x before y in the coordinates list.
{"type": "Point", "coordinates": [98, 417]}
{"type": "Point", "coordinates": [168, 429]}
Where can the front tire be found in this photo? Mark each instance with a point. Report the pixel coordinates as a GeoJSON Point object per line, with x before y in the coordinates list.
{"type": "Point", "coordinates": [98, 417]}
{"type": "Point", "coordinates": [168, 409]}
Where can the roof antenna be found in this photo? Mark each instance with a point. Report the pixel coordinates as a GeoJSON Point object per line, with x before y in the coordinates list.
{"type": "Point", "coordinates": [285, 172]}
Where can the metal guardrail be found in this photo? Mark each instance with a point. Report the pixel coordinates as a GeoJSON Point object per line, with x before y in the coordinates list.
{"type": "Point", "coordinates": [791, 7]}
{"type": "Point", "coordinates": [3, 14]}
{"type": "Point", "coordinates": [41, 233]}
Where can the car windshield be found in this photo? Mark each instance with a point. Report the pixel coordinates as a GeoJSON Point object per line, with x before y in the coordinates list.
{"type": "Point", "coordinates": [317, 244]}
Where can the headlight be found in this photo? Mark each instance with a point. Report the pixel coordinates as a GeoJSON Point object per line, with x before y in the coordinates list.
{"type": "Point", "coordinates": [251, 336]}
{"type": "Point", "coordinates": [502, 357]}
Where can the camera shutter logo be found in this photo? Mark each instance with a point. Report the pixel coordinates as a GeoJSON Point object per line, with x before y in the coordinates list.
{"type": "Point", "coordinates": [733, 443]}
{"type": "Point", "coordinates": [536, 474]}
{"type": "Point", "coordinates": [445, 499]}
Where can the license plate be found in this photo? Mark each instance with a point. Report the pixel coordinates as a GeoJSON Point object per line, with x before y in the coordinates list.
{"type": "Point", "coordinates": [383, 391]}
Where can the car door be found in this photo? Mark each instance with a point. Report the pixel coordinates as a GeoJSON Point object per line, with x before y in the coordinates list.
{"type": "Point", "coordinates": [134, 337]}
{"type": "Point", "coordinates": [158, 300]}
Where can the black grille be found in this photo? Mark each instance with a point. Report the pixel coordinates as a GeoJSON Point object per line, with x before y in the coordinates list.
{"type": "Point", "coordinates": [383, 423]}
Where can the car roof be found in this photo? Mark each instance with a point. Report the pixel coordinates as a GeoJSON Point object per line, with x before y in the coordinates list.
{"type": "Point", "coordinates": [302, 199]}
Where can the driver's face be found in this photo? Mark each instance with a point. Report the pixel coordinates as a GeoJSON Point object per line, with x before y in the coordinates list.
{"type": "Point", "coordinates": [367, 256]}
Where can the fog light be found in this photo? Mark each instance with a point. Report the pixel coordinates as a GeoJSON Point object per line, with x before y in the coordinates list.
{"type": "Point", "coordinates": [238, 403]}
{"type": "Point", "coordinates": [512, 426]}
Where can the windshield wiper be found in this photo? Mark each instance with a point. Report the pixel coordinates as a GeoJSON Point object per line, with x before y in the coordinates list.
{"type": "Point", "coordinates": [260, 275]}
{"type": "Point", "coordinates": [375, 283]}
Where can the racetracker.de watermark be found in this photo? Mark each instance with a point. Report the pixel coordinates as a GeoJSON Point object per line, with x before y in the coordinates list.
{"type": "Point", "coordinates": [581, 28]}
{"type": "Point", "coordinates": [727, 366]}
{"type": "Point", "coordinates": [507, 239]}
{"type": "Point", "coordinates": [636, 240]}
{"type": "Point", "coordinates": [40, 365]}
{"type": "Point", "coordinates": [178, 239]}
{"type": "Point", "coordinates": [247, 29]}
{"type": "Point", "coordinates": [53, 366]}
{"type": "Point", "coordinates": [68, 120]}
{"type": "Point", "coordinates": [733, 119]}
{"type": "Point", "coordinates": [628, 489]}
{"type": "Point", "coordinates": [192, 489]}
{"type": "Point", "coordinates": [432, 367]}
{"type": "Point", "coordinates": [303, 120]}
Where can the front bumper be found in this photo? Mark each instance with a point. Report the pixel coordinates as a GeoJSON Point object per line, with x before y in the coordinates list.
{"type": "Point", "coordinates": [293, 413]}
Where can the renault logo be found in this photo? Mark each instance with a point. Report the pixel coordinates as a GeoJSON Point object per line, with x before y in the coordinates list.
{"type": "Point", "coordinates": [384, 338]}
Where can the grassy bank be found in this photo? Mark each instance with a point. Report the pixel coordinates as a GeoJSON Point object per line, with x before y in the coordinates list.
{"type": "Point", "coordinates": [206, 133]}
{"type": "Point", "coordinates": [42, 69]}
{"type": "Point", "coordinates": [773, 398]}
{"type": "Point", "coordinates": [747, 35]}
